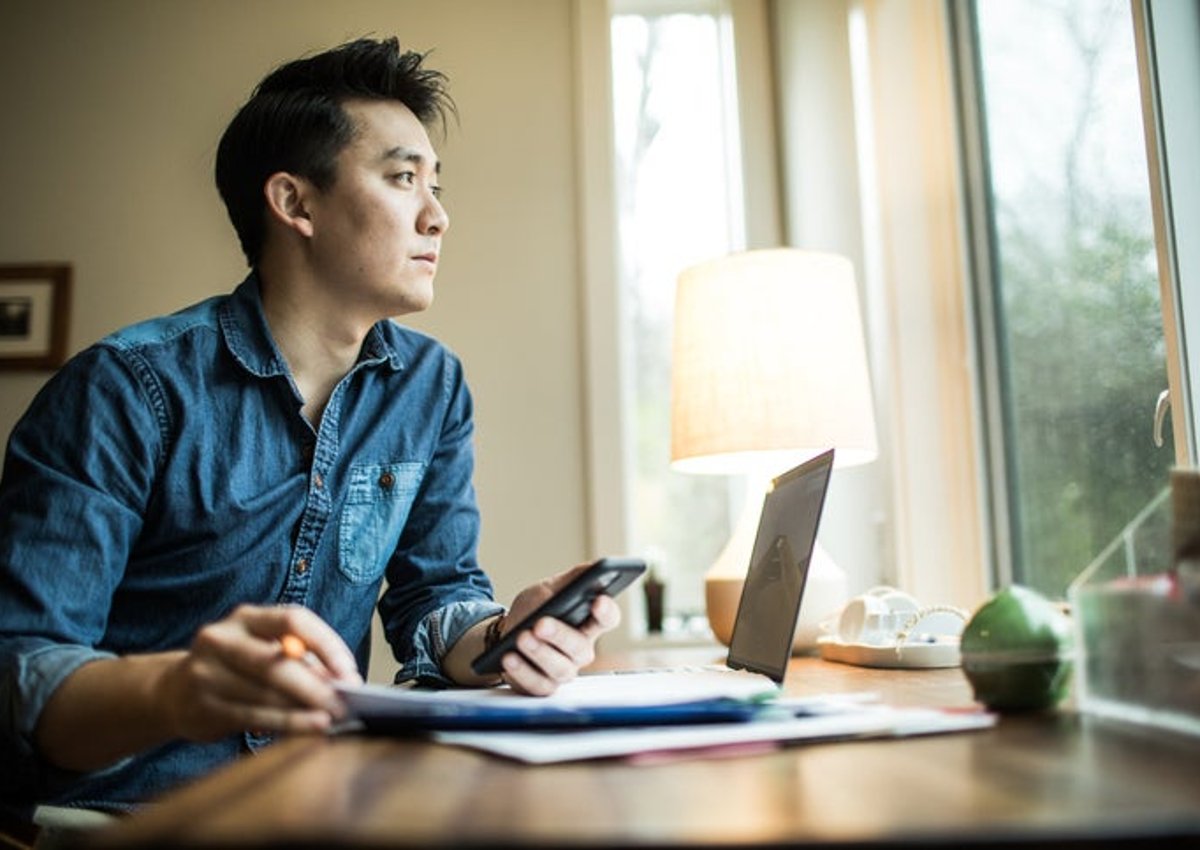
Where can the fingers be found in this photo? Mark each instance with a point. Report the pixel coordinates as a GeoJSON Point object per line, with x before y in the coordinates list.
{"type": "Point", "coordinates": [316, 635]}
{"type": "Point", "coordinates": [525, 678]}
{"type": "Point", "coordinates": [227, 703]}
{"type": "Point", "coordinates": [237, 676]}
{"type": "Point", "coordinates": [552, 653]}
{"type": "Point", "coordinates": [606, 616]}
{"type": "Point", "coordinates": [258, 673]}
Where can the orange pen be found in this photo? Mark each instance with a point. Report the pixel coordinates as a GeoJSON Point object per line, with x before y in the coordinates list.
{"type": "Point", "coordinates": [293, 647]}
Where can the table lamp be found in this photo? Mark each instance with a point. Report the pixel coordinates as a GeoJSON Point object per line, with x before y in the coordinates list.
{"type": "Point", "coordinates": [768, 369]}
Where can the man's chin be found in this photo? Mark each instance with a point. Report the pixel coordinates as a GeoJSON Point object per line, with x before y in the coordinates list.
{"type": "Point", "coordinates": [414, 304]}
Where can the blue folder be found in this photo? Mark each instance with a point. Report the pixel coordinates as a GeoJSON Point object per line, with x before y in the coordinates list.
{"type": "Point", "coordinates": [399, 710]}
{"type": "Point", "coordinates": [461, 718]}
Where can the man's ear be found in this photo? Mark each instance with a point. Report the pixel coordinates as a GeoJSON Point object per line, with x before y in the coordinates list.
{"type": "Point", "coordinates": [287, 201]}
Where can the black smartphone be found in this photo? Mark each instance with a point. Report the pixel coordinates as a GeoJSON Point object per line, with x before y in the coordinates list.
{"type": "Point", "coordinates": [572, 604]}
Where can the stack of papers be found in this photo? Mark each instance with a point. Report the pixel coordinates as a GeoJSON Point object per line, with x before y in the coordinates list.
{"type": "Point", "coordinates": [612, 699]}
{"type": "Point", "coordinates": [640, 714]}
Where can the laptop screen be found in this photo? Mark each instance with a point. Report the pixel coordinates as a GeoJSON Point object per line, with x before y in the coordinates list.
{"type": "Point", "coordinates": [770, 604]}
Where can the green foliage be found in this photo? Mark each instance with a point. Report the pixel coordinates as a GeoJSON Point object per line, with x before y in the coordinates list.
{"type": "Point", "coordinates": [1085, 363]}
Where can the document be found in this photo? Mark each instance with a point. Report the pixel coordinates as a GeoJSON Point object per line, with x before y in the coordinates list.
{"type": "Point", "coordinates": [603, 699]}
{"type": "Point", "coordinates": [640, 714]}
{"type": "Point", "coordinates": [851, 722]}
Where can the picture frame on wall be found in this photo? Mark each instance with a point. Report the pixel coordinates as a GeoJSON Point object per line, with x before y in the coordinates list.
{"type": "Point", "coordinates": [35, 303]}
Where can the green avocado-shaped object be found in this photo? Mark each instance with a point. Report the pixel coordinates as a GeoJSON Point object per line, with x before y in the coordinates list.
{"type": "Point", "coordinates": [1016, 651]}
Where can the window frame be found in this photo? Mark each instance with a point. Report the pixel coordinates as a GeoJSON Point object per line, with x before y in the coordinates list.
{"type": "Point", "coordinates": [1167, 39]}
{"type": "Point", "coordinates": [980, 237]}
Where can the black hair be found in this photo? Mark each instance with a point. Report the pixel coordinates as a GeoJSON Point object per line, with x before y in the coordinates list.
{"type": "Point", "coordinates": [295, 122]}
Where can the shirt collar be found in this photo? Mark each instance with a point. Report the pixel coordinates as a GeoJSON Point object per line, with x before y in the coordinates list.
{"type": "Point", "coordinates": [249, 339]}
{"type": "Point", "coordinates": [378, 349]}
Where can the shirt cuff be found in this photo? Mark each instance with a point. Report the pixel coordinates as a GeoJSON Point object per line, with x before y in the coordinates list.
{"type": "Point", "coordinates": [439, 631]}
{"type": "Point", "coordinates": [38, 674]}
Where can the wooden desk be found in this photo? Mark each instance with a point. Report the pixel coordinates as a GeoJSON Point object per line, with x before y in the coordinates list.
{"type": "Point", "coordinates": [1048, 780]}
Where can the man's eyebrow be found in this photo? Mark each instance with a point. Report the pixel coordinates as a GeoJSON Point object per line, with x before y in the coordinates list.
{"type": "Point", "coordinates": [410, 155]}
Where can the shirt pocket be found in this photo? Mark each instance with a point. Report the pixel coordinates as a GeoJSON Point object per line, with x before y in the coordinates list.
{"type": "Point", "coordinates": [378, 500]}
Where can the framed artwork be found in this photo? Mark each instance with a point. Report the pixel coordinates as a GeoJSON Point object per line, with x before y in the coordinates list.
{"type": "Point", "coordinates": [35, 303]}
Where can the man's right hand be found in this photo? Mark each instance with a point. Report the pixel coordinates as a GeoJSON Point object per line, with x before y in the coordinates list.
{"type": "Point", "coordinates": [236, 676]}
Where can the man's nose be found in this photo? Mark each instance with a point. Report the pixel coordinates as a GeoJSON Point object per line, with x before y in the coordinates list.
{"type": "Point", "coordinates": [434, 218]}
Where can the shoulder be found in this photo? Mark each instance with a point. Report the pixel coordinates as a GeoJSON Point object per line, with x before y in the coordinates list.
{"type": "Point", "coordinates": [132, 368]}
{"type": "Point", "coordinates": [163, 330]}
{"type": "Point", "coordinates": [99, 398]}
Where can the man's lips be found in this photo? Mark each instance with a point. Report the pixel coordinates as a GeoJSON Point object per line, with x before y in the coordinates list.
{"type": "Point", "coordinates": [428, 258]}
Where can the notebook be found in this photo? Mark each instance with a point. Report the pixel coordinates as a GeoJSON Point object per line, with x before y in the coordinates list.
{"type": "Point", "coordinates": [753, 672]}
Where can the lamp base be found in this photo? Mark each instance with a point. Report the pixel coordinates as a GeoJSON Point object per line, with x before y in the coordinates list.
{"type": "Point", "coordinates": [825, 592]}
{"type": "Point", "coordinates": [721, 597]}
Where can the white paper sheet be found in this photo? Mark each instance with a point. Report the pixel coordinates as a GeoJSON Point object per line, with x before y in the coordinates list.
{"type": "Point", "coordinates": [633, 689]}
{"type": "Point", "coordinates": [849, 721]}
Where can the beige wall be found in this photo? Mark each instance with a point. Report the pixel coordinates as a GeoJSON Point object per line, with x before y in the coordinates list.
{"type": "Point", "coordinates": [110, 113]}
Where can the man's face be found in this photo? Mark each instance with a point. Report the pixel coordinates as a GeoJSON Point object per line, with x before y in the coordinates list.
{"type": "Point", "coordinates": [377, 230]}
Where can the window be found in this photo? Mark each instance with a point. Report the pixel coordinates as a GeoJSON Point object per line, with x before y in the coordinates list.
{"type": "Point", "coordinates": [679, 200]}
{"type": "Point", "coordinates": [1072, 327]}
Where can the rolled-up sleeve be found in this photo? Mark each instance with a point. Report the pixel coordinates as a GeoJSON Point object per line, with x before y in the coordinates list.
{"type": "Point", "coordinates": [437, 633]}
{"type": "Point", "coordinates": [436, 588]}
{"type": "Point", "coordinates": [33, 670]}
{"type": "Point", "coordinates": [76, 476]}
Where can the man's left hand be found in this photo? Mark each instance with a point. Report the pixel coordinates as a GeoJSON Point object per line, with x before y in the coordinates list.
{"type": "Point", "coordinates": [552, 652]}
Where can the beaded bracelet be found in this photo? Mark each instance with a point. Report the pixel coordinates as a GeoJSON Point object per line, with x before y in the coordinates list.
{"type": "Point", "coordinates": [491, 636]}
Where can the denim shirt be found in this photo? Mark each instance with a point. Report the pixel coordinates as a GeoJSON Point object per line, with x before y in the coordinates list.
{"type": "Point", "coordinates": [166, 475]}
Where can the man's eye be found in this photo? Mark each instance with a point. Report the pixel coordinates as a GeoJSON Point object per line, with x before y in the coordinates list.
{"type": "Point", "coordinates": [406, 177]}
{"type": "Point", "coordinates": [437, 191]}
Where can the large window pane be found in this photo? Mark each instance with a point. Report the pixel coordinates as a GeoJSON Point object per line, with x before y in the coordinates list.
{"type": "Point", "coordinates": [1076, 301]}
{"type": "Point", "coordinates": [679, 196]}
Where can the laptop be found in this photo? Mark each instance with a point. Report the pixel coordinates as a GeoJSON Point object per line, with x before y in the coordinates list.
{"type": "Point", "coordinates": [754, 669]}
{"type": "Point", "coordinates": [763, 630]}
{"type": "Point", "coordinates": [778, 570]}
{"type": "Point", "coordinates": [765, 625]}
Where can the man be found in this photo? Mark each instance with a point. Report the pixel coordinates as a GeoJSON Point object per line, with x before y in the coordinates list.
{"type": "Point", "coordinates": [189, 492]}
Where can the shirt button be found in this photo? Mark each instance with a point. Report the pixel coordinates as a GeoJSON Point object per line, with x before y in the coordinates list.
{"type": "Point", "coordinates": [302, 566]}
{"type": "Point", "coordinates": [318, 481]}
{"type": "Point", "coordinates": [387, 480]}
